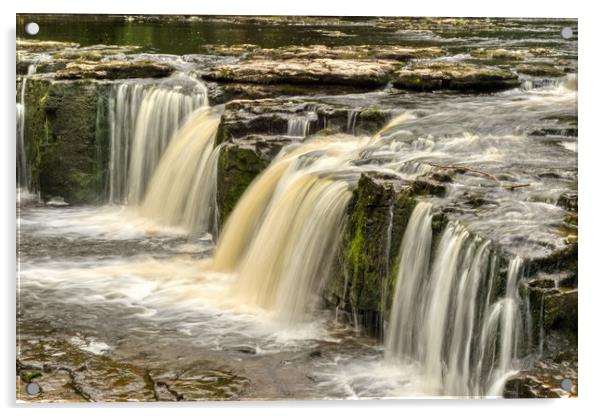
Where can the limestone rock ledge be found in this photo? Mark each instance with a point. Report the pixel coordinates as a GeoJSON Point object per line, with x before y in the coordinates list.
{"type": "Point", "coordinates": [454, 76]}
{"type": "Point", "coordinates": [114, 70]}
{"type": "Point", "coordinates": [306, 71]}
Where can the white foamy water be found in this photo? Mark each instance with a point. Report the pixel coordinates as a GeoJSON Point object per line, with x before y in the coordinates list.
{"type": "Point", "coordinates": [107, 222]}
{"type": "Point", "coordinates": [171, 291]}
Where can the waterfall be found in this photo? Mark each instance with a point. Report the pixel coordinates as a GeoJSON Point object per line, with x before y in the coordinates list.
{"type": "Point", "coordinates": [143, 120]}
{"type": "Point", "coordinates": [124, 103]}
{"type": "Point", "coordinates": [298, 127]}
{"type": "Point", "coordinates": [414, 259]}
{"type": "Point", "coordinates": [22, 170]}
{"type": "Point", "coordinates": [281, 238]}
{"type": "Point", "coordinates": [182, 189]}
{"type": "Point", "coordinates": [23, 174]}
{"type": "Point", "coordinates": [351, 120]}
{"type": "Point", "coordinates": [510, 325]}
{"type": "Point", "coordinates": [442, 318]}
{"type": "Point", "coordinates": [293, 249]}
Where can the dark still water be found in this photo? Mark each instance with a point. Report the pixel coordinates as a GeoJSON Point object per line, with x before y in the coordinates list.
{"type": "Point", "coordinates": [189, 34]}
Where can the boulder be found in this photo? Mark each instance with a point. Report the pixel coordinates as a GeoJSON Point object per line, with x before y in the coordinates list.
{"type": "Point", "coordinates": [454, 76]}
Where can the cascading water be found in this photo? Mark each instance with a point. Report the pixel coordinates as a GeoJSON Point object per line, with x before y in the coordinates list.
{"type": "Point", "coordinates": [415, 253]}
{"type": "Point", "coordinates": [281, 238]}
{"type": "Point", "coordinates": [441, 318]}
{"type": "Point", "coordinates": [123, 110]}
{"type": "Point", "coordinates": [23, 174]}
{"type": "Point", "coordinates": [182, 189]}
{"type": "Point", "coordinates": [351, 120]}
{"type": "Point", "coordinates": [143, 119]}
{"type": "Point", "coordinates": [510, 325]}
{"type": "Point", "coordinates": [298, 127]}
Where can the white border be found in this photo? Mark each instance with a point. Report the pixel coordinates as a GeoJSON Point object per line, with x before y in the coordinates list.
{"type": "Point", "coordinates": [590, 160]}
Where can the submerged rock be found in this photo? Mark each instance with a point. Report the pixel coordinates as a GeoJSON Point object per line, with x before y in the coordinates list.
{"type": "Point", "coordinates": [306, 71]}
{"type": "Point", "coordinates": [115, 70]}
{"type": "Point", "coordinates": [454, 76]}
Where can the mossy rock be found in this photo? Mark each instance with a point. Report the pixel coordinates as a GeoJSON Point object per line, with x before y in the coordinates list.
{"type": "Point", "coordinates": [371, 120]}
{"type": "Point", "coordinates": [377, 216]}
{"type": "Point", "coordinates": [66, 151]}
{"type": "Point", "coordinates": [238, 165]}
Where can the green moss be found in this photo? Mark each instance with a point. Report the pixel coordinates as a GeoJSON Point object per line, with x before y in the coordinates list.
{"type": "Point", "coordinates": [378, 215]}
{"type": "Point", "coordinates": [62, 141]}
{"type": "Point", "coordinates": [356, 255]}
{"type": "Point", "coordinates": [29, 376]}
{"type": "Point", "coordinates": [237, 167]}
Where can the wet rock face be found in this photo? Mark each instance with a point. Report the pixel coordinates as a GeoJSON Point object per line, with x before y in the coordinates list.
{"type": "Point", "coordinates": [252, 133]}
{"type": "Point", "coordinates": [553, 299]}
{"type": "Point", "coordinates": [305, 71]}
{"type": "Point", "coordinates": [377, 216]}
{"type": "Point", "coordinates": [525, 385]}
{"type": "Point", "coordinates": [114, 70]}
{"type": "Point", "coordinates": [66, 152]}
{"type": "Point", "coordinates": [454, 76]}
{"type": "Point", "coordinates": [239, 163]}
{"type": "Point", "coordinates": [553, 374]}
